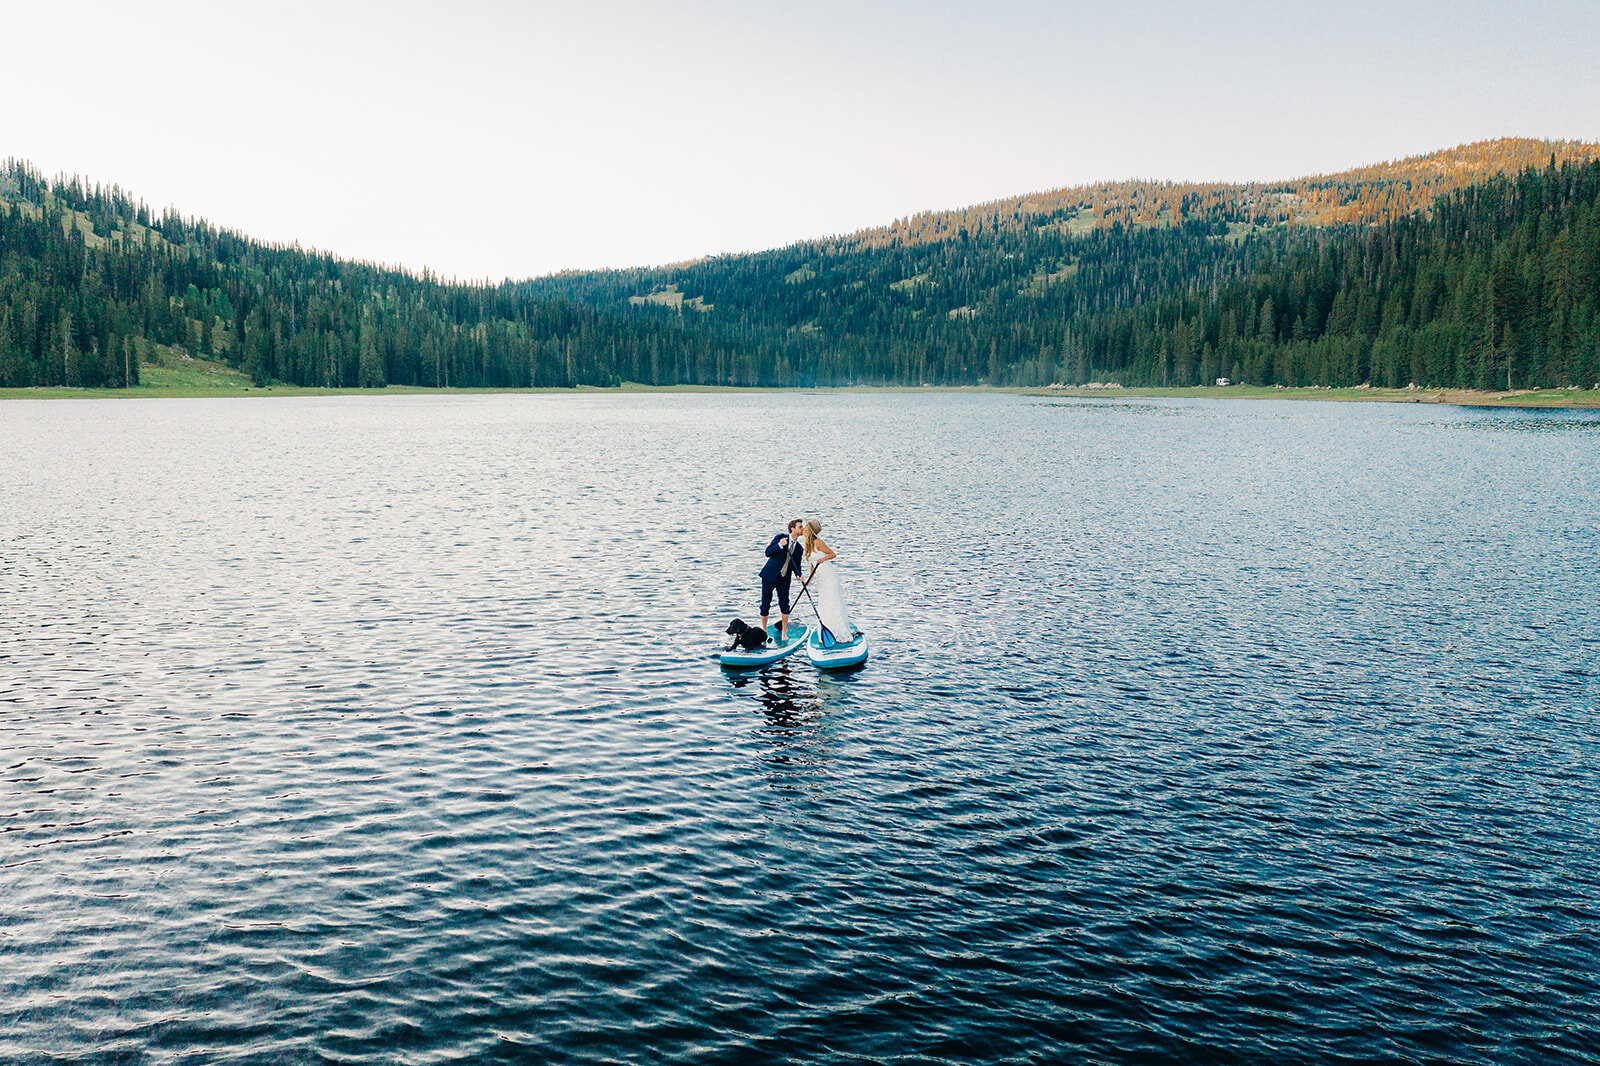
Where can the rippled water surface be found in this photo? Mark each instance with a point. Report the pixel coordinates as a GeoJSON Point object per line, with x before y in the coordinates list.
{"type": "Point", "coordinates": [388, 730]}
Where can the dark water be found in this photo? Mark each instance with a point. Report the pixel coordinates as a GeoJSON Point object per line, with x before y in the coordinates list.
{"type": "Point", "coordinates": [386, 731]}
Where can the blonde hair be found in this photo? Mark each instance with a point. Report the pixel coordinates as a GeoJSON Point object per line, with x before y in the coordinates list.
{"type": "Point", "coordinates": [813, 527]}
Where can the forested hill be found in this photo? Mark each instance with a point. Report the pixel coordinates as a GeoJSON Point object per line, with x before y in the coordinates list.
{"type": "Point", "coordinates": [1336, 280]}
{"type": "Point", "coordinates": [91, 280]}
{"type": "Point", "coordinates": [1035, 298]}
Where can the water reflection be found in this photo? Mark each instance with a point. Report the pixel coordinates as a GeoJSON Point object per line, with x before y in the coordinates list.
{"type": "Point", "coordinates": [1529, 422]}
{"type": "Point", "coordinates": [794, 703]}
{"type": "Point", "coordinates": [786, 694]}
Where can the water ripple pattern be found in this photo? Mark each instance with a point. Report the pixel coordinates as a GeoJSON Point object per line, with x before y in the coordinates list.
{"type": "Point", "coordinates": [388, 731]}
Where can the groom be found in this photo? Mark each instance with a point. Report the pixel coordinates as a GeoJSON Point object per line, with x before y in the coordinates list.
{"type": "Point", "coordinates": [784, 558]}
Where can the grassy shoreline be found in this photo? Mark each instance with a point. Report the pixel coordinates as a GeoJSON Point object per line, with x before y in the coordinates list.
{"type": "Point", "coordinates": [196, 379]}
{"type": "Point", "coordinates": [1586, 399]}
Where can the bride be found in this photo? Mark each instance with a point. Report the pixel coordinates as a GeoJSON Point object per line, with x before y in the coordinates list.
{"type": "Point", "coordinates": [823, 582]}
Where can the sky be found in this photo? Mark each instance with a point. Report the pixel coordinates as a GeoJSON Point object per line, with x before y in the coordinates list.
{"type": "Point", "coordinates": [495, 139]}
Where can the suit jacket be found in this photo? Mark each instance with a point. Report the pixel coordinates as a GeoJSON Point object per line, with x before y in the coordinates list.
{"type": "Point", "coordinates": [776, 557]}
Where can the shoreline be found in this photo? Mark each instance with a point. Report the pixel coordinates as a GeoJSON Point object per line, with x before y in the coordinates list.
{"type": "Point", "coordinates": [1533, 399]}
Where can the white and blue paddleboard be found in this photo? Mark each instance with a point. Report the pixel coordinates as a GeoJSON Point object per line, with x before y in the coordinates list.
{"type": "Point", "coordinates": [774, 650]}
{"type": "Point", "coordinates": [826, 653]}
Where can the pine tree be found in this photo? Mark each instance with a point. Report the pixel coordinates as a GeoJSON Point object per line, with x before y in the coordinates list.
{"type": "Point", "coordinates": [64, 340]}
{"type": "Point", "coordinates": [371, 366]}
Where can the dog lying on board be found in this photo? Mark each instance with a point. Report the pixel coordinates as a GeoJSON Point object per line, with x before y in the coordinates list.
{"type": "Point", "coordinates": [745, 636]}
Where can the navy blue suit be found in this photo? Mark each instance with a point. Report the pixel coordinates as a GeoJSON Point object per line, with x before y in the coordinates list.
{"type": "Point", "coordinates": [782, 564]}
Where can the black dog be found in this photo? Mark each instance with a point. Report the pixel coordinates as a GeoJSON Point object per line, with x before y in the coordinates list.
{"type": "Point", "coordinates": [750, 637]}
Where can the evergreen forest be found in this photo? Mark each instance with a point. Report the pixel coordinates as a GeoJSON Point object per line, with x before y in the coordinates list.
{"type": "Point", "coordinates": [1474, 268]}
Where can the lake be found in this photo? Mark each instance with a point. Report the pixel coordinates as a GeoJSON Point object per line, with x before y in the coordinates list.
{"type": "Point", "coordinates": [371, 730]}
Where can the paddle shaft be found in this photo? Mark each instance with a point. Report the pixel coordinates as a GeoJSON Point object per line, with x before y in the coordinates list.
{"type": "Point", "coordinates": [805, 587]}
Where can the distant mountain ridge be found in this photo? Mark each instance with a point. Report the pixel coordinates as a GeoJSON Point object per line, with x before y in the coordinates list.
{"type": "Point", "coordinates": [1373, 193]}
{"type": "Point", "coordinates": [1085, 283]}
{"type": "Point", "coordinates": [1473, 266]}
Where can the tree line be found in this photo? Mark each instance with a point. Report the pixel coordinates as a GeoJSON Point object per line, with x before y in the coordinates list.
{"type": "Point", "coordinates": [1492, 285]}
{"type": "Point", "coordinates": [91, 280]}
{"type": "Point", "coordinates": [1498, 286]}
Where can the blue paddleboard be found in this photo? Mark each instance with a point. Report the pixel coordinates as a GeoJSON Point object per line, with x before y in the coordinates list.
{"type": "Point", "coordinates": [774, 650]}
{"type": "Point", "coordinates": [826, 654]}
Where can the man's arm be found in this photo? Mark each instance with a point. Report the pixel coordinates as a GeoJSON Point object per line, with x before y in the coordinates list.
{"type": "Point", "coordinates": [777, 547]}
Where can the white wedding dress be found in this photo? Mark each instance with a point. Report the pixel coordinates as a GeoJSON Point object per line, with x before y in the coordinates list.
{"type": "Point", "coordinates": [829, 597]}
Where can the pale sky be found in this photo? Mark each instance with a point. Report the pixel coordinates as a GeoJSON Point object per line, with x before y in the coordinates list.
{"type": "Point", "coordinates": [490, 138]}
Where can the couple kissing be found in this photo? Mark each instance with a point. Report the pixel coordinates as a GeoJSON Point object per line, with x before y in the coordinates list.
{"type": "Point", "coordinates": [801, 547]}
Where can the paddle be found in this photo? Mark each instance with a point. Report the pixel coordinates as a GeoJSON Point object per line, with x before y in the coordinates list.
{"type": "Point", "coordinates": [805, 587]}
